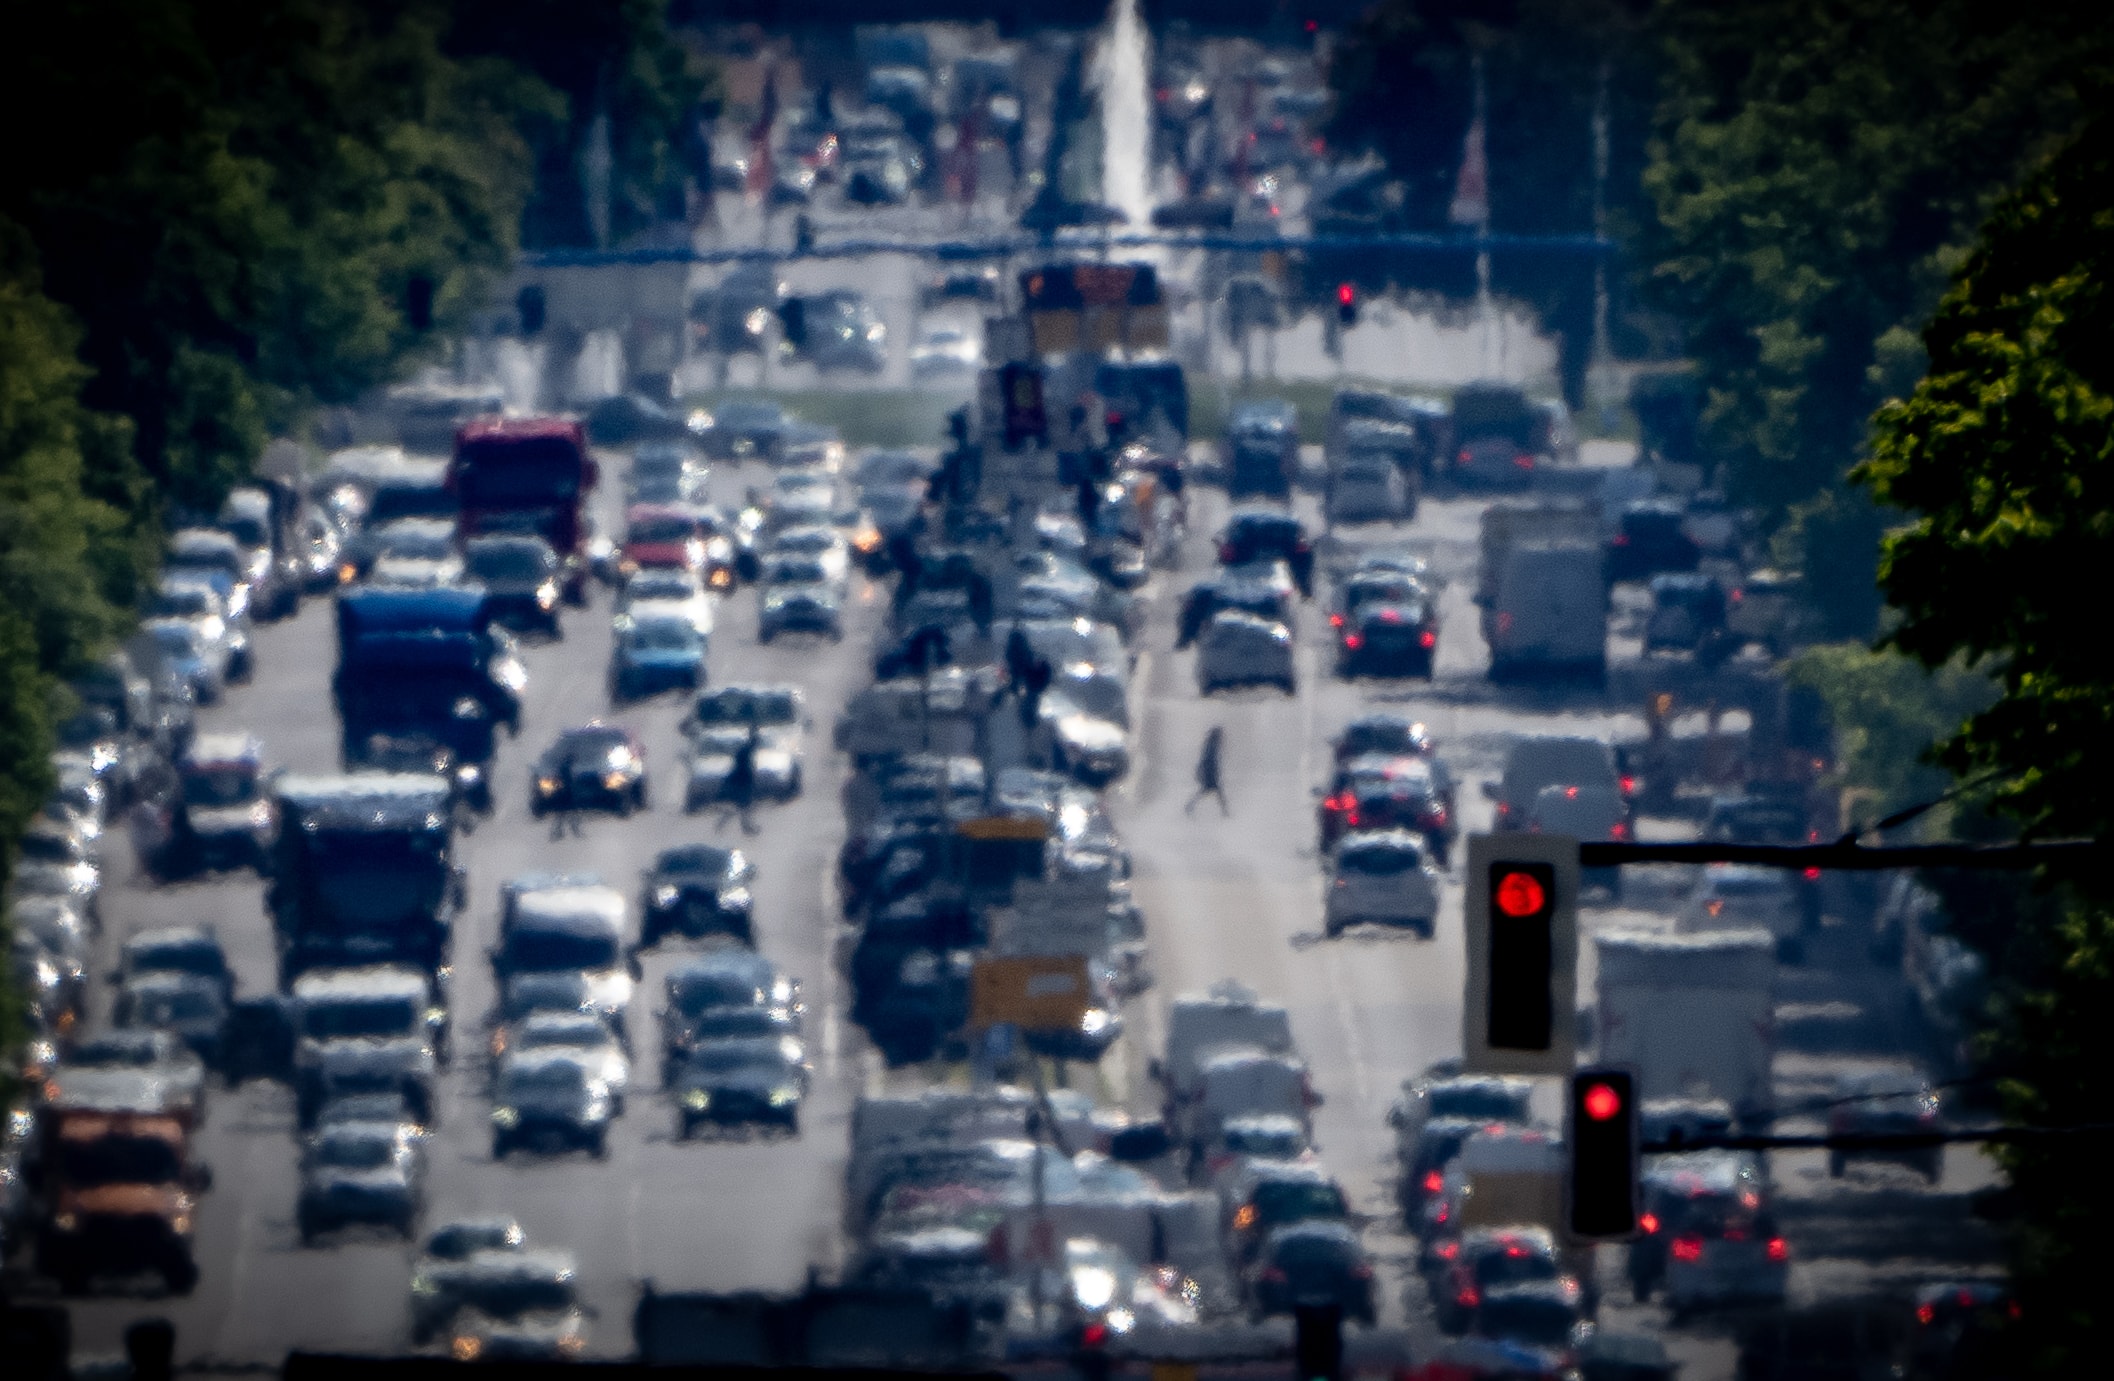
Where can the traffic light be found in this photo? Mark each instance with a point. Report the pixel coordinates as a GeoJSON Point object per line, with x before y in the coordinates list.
{"type": "Point", "coordinates": [1347, 303]}
{"type": "Point", "coordinates": [1602, 1136]}
{"type": "Point", "coordinates": [1522, 954]}
{"type": "Point", "coordinates": [1318, 1342]}
{"type": "Point", "coordinates": [1090, 1356]}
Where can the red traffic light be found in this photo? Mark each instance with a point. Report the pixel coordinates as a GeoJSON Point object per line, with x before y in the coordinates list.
{"type": "Point", "coordinates": [1602, 1103]}
{"type": "Point", "coordinates": [1347, 294]}
{"type": "Point", "coordinates": [1519, 894]}
{"type": "Point", "coordinates": [1094, 1334]}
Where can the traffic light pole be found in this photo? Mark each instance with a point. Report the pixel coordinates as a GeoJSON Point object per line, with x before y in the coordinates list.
{"type": "Point", "coordinates": [1870, 1141]}
{"type": "Point", "coordinates": [1839, 855]}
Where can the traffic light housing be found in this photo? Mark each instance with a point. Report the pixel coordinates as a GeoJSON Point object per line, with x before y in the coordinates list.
{"type": "Point", "coordinates": [1601, 1132]}
{"type": "Point", "coordinates": [1522, 924]}
{"type": "Point", "coordinates": [533, 306]}
{"type": "Point", "coordinates": [418, 302]}
{"type": "Point", "coordinates": [1347, 303]}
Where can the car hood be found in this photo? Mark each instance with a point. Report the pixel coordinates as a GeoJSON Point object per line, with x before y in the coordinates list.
{"type": "Point", "coordinates": [342, 1180]}
{"type": "Point", "coordinates": [663, 656]}
{"type": "Point", "coordinates": [579, 1106]}
{"type": "Point", "coordinates": [221, 820]}
{"type": "Point", "coordinates": [755, 1079]}
{"type": "Point", "coordinates": [130, 1200]}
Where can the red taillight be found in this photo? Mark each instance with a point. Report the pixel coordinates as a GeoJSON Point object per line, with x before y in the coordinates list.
{"type": "Point", "coordinates": [1225, 553]}
{"type": "Point", "coordinates": [1813, 875]}
{"type": "Point", "coordinates": [1628, 784]}
{"type": "Point", "coordinates": [1649, 1222]}
{"type": "Point", "coordinates": [1335, 620]}
{"type": "Point", "coordinates": [1570, 793]}
{"type": "Point", "coordinates": [1468, 1298]}
{"type": "Point", "coordinates": [1465, 457]}
{"type": "Point", "coordinates": [1688, 1249]}
{"type": "Point", "coordinates": [1352, 820]}
{"type": "Point", "coordinates": [1353, 641]}
{"type": "Point", "coordinates": [1434, 1182]}
{"type": "Point", "coordinates": [1523, 461]}
{"type": "Point", "coordinates": [1738, 594]}
{"type": "Point", "coordinates": [1622, 539]}
{"type": "Point", "coordinates": [1619, 830]}
{"type": "Point", "coordinates": [1273, 1275]}
{"type": "Point", "coordinates": [1429, 639]}
{"type": "Point", "coordinates": [1448, 1251]}
{"type": "Point", "coordinates": [1504, 621]}
{"type": "Point", "coordinates": [1361, 1271]}
{"type": "Point", "coordinates": [1926, 1313]}
{"type": "Point", "coordinates": [1779, 1249]}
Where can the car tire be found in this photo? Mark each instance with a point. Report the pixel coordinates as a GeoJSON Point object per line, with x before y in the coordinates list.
{"type": "Point", "coordinates": [599, 1147]}
{"type": "Point", "coordinates": [1331, 929]}
{"type": "Point", "coordinates": [180, 1276]}
{"type": "Point", "coordinates": [1837, 1163]}
{"type": "Point", "coordinates": [499, 1148]}
{"type": "Point", "coordinates": [1791, 950]}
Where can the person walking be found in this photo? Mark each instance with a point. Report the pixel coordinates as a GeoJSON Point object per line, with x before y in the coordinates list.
{"type": "Point", "coordinates": [1208, 782]}
{"type": "Point", "coordinates": [738, 792]}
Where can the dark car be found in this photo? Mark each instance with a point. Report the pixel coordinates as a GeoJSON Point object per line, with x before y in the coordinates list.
{"type": "Point", "coordinates": [1887, 1102]}
{"type": "Point", "coordinates": [1389, 640]}
{"type": "Point", "coordinates": [753, 427]}
{"type": "Point", "coordinates": [550, 1098]}
{"type": "Point", "coordinates": [1281, 1195]}
{"type": "Point", "coordinates": [701, 988]}
{"type": "Point", "coordinates": [696, 889]}
{"type": "Point", "coordinates": [1488, 1259]}
{"type": "Point", "coordinates": [360, 1172]}
{"type": "Point", "coordinates": [1382, 792]}
{"type": "Point", "coordinates": [183, 949]}
{"type": "Point", "coordinates": [740, 1080]}
{"type": "Point", "coordinates": [1649, 540]}
{"type": "Point", "coordinates": [520, 575]}
{"type": "Point", "coordinates": [1687, 615]}
{"type": "Point", "coordinates": [597, 765]}
{"type": "Point", "coordinates": [189, 1006]}
{"type": "Point", "coordinates": [1267, 534]}
{"type": "Point", "coordinates": [1382, 733]}
{"type": "Point", "coordinates": [1312, 1263]}
{"type": "Point", "coordinates": [1229, 591]}
{"type": "Point", "coordinates": [1262, 449]}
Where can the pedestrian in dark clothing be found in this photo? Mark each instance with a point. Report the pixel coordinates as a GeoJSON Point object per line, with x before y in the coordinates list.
{"type": "Point", "coordinates": [1089, 502]}
{"type": "Point", "coordinates": [1032, 686]}
{"type": "Point", "coordinates": [1207, 773]}
{"type": "Point", "coordinates": [738, 792]}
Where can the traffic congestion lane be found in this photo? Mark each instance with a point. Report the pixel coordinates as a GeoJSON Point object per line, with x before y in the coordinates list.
{"type": "Point", "coordinates": [729, 1215]}
{"type": "Point", "coordinates": [1240, 896]}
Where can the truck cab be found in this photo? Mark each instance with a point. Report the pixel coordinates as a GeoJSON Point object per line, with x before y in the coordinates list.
{"type": "Point", "coordinates": [223, 815]}
{"type": "Point", "coordinates": [527, 475]}
{"type": "Point", "coordinates": [364, 872]}
{"type": "Point", "coordinates": [119, 1191]}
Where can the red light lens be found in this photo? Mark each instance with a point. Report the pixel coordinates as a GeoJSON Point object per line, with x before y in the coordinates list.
{"type": "Point", "coordinates": [1353, 641]}
{"type": "Point", "coordinates": [1649, 1222]}
{"type": "Point", "coordinates": [1602, 1103]}
{"type": "Point", "coordinates": [1629, 784]}
{"type": "Point", "coordinates": [1429, 638]}
{"type": "Point", "coordinates": [1520, 894]}
{"type": "Point", "coordinates": [1688, 1249]}
{"type": "Point", "coordinates": [1779, 1249]}
{"type": "Point", "coordinates": [1926, 1313]}
{"type": "Point", "coordinates": [1346, 293]}
{"type": "Point", "coordinates": [1813, 875]}
{"type": "Point", "coordinates": [1094, 1334]}
{"type": "Point", "coordinates": [1434, 1182]}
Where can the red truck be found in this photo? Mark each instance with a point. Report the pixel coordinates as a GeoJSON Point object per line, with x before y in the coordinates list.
{"type": "Point", "coordinates": [527, 475]}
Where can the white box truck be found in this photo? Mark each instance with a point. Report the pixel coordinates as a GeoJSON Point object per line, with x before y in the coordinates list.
{"type": "Point", "coordinates": [1693, 1014]}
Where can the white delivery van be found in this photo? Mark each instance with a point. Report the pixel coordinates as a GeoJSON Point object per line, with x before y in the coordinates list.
{"type": "Point", "coordinates": [1549, 611]}
{"type": "Point", "coordinates": [1693, 1014]}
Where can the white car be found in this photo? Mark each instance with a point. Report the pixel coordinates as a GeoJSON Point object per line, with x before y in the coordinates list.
{"type": "Point", "coordinates": [1238, 649]}
{"type": "Point", "coordinates": [723, 721]}
{"type": "Point", "coordinates": [1732, 896]}
{"type": "Point", "coordinates": [825, 544]}
{"type": "Point", "coordinates": [1382, 876]}
{"type": "Point", "coordinates": [945, 350]}
{"type": "Point", "coordinates": [668, 587]}
{"type": "Point", "coordinates": [585, 1032]}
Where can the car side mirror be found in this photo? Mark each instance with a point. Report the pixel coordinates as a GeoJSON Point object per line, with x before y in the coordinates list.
{"type": "Point", "coordinates": [1490, 791]}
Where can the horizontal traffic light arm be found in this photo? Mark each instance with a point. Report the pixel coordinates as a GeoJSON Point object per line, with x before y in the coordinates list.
{"type": "Point", "coordinates": [1869, 1141]}
{"type": "Point", "coordinates": [1839, 857]}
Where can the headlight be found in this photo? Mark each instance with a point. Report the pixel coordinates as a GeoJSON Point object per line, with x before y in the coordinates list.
{"type": "Point", "coordinates": [571, 1344]}
{"type": "Point", "coordinates": [181, 1225]}
{"type": "Point", "coordinates": [469, 774]}
{"type": "Point", "coordinates": [784, 1097]}
{"type": "Point", "coordinates": [615, 780]}
{"type": "Point", "coordinates": [546, 595]}
{"type": "Point", "coordinates": [547, 785]}
{"type": "Point", "coordinates": [65, 1222]}
{"type": "Point", "coordinates": [506, 1117]}
{"type": "Point", "coordinates": [734, 898]}
{"type": "Point", "coordinates": [467, 1348]}
{"type": "Point", "coordinates": [424, 1285]}
{"type": "Point", "coordinates": [665, 895]}
{"type": "Point", "coordinates": [261, 814]}
{"type": "Point", "coordinates": [697, 1100]}
{"type": "Point", "coordinates": [721, 578]}
{"type": "Point", "coordinates": [876, 332]}
{"type": "Point", "coordinates": [347, 573]}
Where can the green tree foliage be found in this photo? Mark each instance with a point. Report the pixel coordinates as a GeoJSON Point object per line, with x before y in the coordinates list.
{"type": "Point", "coordinates": [1817, 169]}
{"type": "Point", "coordinates": [242, 199]}
{"type": "Point", "coordinates": [615, 58]}
{"type": "Point", "coordinates": [1890, 712]}
{"type": "Point", "coordinates": [2004, 458]}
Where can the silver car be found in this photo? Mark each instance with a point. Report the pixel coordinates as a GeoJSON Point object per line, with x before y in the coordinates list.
{"type": "Point", "coordinates": [1239, 649]}
{"type": "Point", "coordinates": [1381, 876]}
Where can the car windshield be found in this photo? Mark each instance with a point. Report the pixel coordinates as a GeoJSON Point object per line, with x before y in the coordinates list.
{"type": "Point", "coordinates": [121, 1159]}
{"type": "Point", "coordinates": [584, 1032]}
{"type": "Point", "coordinates": [355, 1150]}
{"type": "Point", "coordinates": [514, 1296]}
{"type": "Point", "coordinates": [116, 1051]}
{"type": "Point", "coordinates": [661, 528]}
{"type": "Point", "coordinates": [1271, 1142]}
{"type": "Point", "coordinates": [1473, 1101]}
{"type": "Point", "coordinates": [359, 1017]}
{"type": "Point", "coordinates": [178, 639]}
{"type": "Point", "coordinates": [665, 635]}
{"type": "Point", "coordinates": [738, 1058]}
{"type": "Point", "coordinates": [1290, 1201]}
{"type": "Point", "coordinates": [1381, 861]}
{"type": "Point", "coordinates": [660, 585]}
{"type": "Point", "coordinates": [417, 543]}
{"type": "Point", "coordinates": [185, 601]}
{"type": "Point", "coordinates": [209, 787]}
{"type": "Point", "coordinates": [1513, 1265]}
{"type": "Point", "coordinates": [509, 561]}
{"type": "Point", "coordinates": [692, 993]}
{"type": "Point", "coordinates": [169, 1006]}
{"type": "Point", "coordinates": [1538, 1322]}
{"type": "Point", "coordinates": [558, 1076]}
{"type": "Point", "coordinates": [558, 949]}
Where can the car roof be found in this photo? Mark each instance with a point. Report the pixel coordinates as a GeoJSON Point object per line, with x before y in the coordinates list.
{"type": "Point", "coordinates": [368, 980]}
{"type": "Point", "coordinates": [223, 748]}
{"type": "Point", "coordinates": [172, 937]}
{"type": "Point", "coordinates": [568, 907]}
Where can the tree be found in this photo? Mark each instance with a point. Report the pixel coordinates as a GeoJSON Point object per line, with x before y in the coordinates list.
{"type": "Point", "coordinates": [2003, 457]}
{"type": "Point", "coordinates": [1816, 171]}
